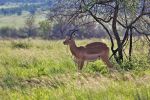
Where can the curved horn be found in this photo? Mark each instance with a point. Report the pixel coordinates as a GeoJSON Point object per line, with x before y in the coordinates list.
{"type": "Point", "coordinates": [73, 31]}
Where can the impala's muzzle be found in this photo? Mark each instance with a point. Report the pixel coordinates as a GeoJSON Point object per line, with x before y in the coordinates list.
{"type": "Point", "coordinates": [69, 38]}
{"type": "Point", "coordinates": [66, 42]}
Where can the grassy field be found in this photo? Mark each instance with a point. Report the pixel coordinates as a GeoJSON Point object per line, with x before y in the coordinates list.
{"type": "Point", "coordinates": [9, 6]}
{"type": "Point", "coordinates": [16, 21]}
{"type": "Point", "coordinates": [44, 70]}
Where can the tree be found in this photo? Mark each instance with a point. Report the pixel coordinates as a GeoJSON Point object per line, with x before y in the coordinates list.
{"type": "Point", "coordinates": [30, 26]}
{"type": "Point", "coordinates": [121, 15]}
{"type": "Point", "coordinates": [45, 27]}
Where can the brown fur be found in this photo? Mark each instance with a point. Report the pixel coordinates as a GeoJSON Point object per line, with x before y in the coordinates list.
{"type": "Point", "coordinates": [90, 52]}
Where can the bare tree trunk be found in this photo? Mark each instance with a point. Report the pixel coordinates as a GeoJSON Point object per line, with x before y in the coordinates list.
{"type": "Point", "coordinates": [119, 52]}
{"type": "Point", "coordinates": [130, 45]}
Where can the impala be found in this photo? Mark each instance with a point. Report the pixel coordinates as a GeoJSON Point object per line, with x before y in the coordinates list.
{"type": "Point", "coordinates": [90, 52]}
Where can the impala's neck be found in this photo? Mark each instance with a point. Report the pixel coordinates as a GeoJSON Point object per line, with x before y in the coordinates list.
{"type": "Point", "coordinates": [73, 48]}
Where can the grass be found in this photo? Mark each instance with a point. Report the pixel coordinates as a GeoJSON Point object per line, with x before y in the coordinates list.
{"type": "Point", "coordinates": [16, 21]}
{"type": "Point", "coordinates": [44, 70]}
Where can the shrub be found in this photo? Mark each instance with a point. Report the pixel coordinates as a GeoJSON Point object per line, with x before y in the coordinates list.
{"type": "Point", "coordinates": [21, 44]}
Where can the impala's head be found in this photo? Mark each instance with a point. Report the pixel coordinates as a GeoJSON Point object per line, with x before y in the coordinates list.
{"type": "Point", "coordinates": [69, 39]}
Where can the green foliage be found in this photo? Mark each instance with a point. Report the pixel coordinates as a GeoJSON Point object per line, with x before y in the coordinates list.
{"type": "Point", "coordinates": [131, 6]}
{"type": "Point", "coordinates": [9, 81]}
{"type": "Point", "coordinates": [97, 67]}
{"type": "Point", "coordinates": [136, 63]}
{"type": "Point", "coordinates": [45, 27]}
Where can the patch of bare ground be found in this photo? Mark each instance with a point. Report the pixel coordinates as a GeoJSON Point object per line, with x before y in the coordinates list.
{"type": "Point", "coordinates": [85, 80]}
{"type": "Point", "coordinates": [144, 80]}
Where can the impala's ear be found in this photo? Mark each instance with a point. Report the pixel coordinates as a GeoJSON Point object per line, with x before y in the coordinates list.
{"type": "Point", "coordinates": [72, 33]}
{"type": "Point", "coordinates": [66, 37]}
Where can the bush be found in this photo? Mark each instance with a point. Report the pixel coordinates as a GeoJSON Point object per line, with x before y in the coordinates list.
{"type": "Point", "coordinates": [8, 32]}
{"type": "Point", "coordinates": [21, 44]}
{"type": "Point", "coordinates": [9, 81]}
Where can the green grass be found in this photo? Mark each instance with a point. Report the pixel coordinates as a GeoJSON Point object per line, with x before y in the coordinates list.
{"type": "Point", "coordinates": [44, 70]}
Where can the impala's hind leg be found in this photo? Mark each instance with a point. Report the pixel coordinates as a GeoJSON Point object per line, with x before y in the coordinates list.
{"type": "Point", "coordinates": [107, 62]}
{"type": "Point", "coordinates": [105, 58]}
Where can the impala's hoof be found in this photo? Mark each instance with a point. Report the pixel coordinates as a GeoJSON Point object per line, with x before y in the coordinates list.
{"type": "Point", "coordinates": [112, 70]}
{"type": "Point", "coordinates": [79, 71]}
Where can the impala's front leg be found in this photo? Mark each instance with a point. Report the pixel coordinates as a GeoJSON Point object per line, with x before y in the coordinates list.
{"type": "Point", "coordinates": [75, 60]}
{"type": "Point", "coordinates": [80, 64]}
